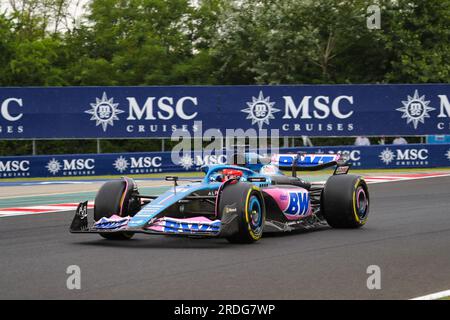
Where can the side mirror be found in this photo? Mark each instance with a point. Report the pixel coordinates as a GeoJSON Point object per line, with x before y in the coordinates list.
{"type": "Point", "coordinates": [174, 179]}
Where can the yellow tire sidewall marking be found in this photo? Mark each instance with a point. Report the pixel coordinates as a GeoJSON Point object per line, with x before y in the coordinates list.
{"type": "Point", "coordinates": [250, 231]}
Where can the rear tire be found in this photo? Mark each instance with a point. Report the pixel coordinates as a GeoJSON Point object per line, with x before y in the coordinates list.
{"type": "Point", "coordinates": [248, 202]}
{"type": "Point", "coordinates": [345, 201]}
{"type": "Point", "coordinates": [115, 198]}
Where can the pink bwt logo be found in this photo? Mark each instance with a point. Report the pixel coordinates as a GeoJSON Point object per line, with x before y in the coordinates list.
{"type": "Point", "coordinates": [293, 202]}
{"type": "Point", "coordinates": [298, 204]}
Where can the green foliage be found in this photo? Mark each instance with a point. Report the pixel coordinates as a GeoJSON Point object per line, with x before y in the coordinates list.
{"type": "Point", "coordinates": [37, 63]}
{"type": "Point", "coordinates": [15, 148]}
{"type": "Point", "coordinates": [142, 42]}
{"type": "Point", "coordinates": [416, 38]}
{"type": "Point", "coordinates": [6, 48]}
{"type": "Point", "coordinates": [162, 42]}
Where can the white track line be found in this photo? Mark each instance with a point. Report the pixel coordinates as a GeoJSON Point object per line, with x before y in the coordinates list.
{"type": "Point", "coordinates": [48, 194]}
{"type": "Point", "coordinates": [6, 214]}
{"type": "Point", "coordinates": [386, 178]}
{"type": "Point", "coordinates": [434, 296]}
{"type": "Point", "coordinates": [22, 211]}
{"type": "Point", "coordinates": [375, 180]}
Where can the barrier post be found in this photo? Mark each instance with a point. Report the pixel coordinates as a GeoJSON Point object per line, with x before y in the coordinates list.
{"type": "Point", "coordinates": [33, 146]}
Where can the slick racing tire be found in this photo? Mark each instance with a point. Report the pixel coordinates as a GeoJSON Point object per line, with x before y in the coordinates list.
{"type": "Point", "coordinates": [345, 201]}
{"type": "Point", "coordinates": [247, 201]}
{"type": "Point", "coordinates": [115, 197]}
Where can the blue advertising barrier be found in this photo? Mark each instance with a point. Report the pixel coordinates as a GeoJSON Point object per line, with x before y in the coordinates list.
{"type": "Point", "coordinates": [390, 156]}
{"type": "Point", "coordinates": [143, 112]}
{"type": "Point", "coordinates": [365, 157]}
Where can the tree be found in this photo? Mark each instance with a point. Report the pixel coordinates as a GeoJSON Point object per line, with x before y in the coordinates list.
{"type": "Point", "coordinates": [268, 41]}
{"type": "Point", "coordinates": [37, 63]}
{"type": "Point", "coordinates": [416, 37]}
{"type": "Point", "coordinates": [6, 48]}
{"type": "Point", "coordinates": [142, 41]}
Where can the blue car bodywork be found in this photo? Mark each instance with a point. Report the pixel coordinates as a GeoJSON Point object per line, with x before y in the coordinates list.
{"type": "Point", "coordinates": [193, 209]}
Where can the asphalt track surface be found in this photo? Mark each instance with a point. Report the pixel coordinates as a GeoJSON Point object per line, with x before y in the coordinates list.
{"type": "Point", "coordinates": [407, 236]}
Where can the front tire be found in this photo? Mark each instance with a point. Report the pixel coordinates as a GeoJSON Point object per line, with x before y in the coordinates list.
{"type": "Point", "coordinates": [345, 201]}
{"type": "Point", "coordinates": [115, 198]}
{"type": "Point", "coordinates": [247, 201]}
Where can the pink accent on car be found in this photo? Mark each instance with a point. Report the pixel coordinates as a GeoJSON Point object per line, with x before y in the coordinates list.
{"type": "Point", "coordinates": [156, 228]}
{"type": "Point", "coordinates": [115, 217]}
{"type": "Point", "coordinates": [199, 220]}
{"type": "Point", "coordinates": [281, 197]}
{"type": "Point", "coordinates": [159, 224]}
{"type": "Point", "coordinates": [284, 198]}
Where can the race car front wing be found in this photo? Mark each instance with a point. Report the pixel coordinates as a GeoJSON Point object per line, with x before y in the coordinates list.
{"type": "Point", "coordinates": [195, 226]}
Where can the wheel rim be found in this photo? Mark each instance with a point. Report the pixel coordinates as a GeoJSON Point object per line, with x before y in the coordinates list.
{"type": "Point", "coordinates": [362, 202]}
{"type": "Point", "coordinates": [255, 211]}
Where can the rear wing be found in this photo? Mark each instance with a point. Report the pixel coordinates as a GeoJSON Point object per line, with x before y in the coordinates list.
{"type": "Point", "coordinates": [310, 162]}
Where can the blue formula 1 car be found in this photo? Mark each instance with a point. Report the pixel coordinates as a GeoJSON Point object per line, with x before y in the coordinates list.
{"type": "Point", "coordinates": [236, 202]}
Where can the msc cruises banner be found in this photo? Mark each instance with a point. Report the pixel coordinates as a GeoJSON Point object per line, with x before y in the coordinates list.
{"type": "Point", "coordinates": [379, 156]}
{"type": "Point", "coordinates": [140, 112]}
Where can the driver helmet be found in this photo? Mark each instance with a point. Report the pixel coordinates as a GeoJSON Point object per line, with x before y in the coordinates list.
{"type": "Point", "coordinates": [231, 174]}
